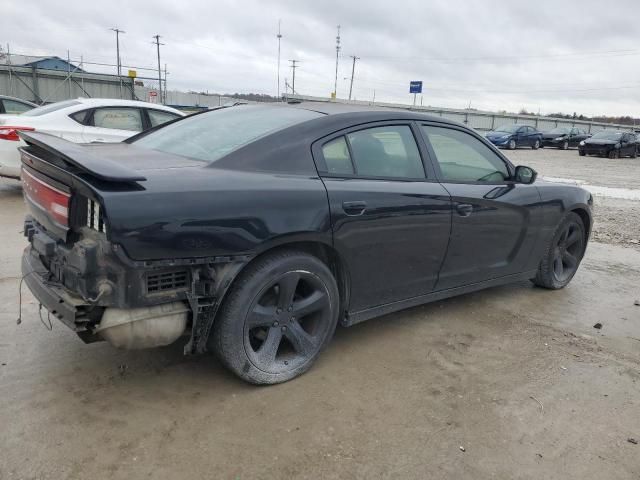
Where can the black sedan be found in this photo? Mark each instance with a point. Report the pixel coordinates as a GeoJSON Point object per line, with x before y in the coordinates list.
{"type": "Point", "coordinates": [611, 144]}
{"type": "Point", "coordinates": [563, 137]}
{"type": "Point", "coordinates": [255, 230]}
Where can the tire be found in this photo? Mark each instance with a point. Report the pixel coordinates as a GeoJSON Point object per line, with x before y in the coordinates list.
{"type": "Point", "coordinates": [512, 144]}
{"type": "Point", "coordinates": [563, 255]}
{"type": "Point", "coordinates": [582, 153]}
{"type": "Point", "coordinates": [634, 154]}
{"type": "Point", "coordinates": [615, 153]}
{"type": "Point", "coordinates": [279, 315]}
{"type": "Point", "coordinates": [536, 145]}
{"type": "Point", "coordinates": [565, 145]}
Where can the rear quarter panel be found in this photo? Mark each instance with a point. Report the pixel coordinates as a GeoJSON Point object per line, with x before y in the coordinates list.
{"type": "Point", "coordinates": [203, 212]}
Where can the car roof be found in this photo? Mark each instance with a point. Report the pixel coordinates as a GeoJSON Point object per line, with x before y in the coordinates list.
{"type": "Point", "coordinates": [101, 102]}
{"type": "Point", "coordinates": [16, 99]}
{"type": "Point", "coordinates": [375, 111]}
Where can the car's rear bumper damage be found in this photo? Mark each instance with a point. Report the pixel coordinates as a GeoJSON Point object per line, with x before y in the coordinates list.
{"type": "Point", "coordinates": [94, 288]}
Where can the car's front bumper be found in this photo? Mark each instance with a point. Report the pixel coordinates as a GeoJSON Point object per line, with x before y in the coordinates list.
{"type": "Point", "coordinates": [602, 150]}
{"type": "Point", "coordinates": [499, 142]}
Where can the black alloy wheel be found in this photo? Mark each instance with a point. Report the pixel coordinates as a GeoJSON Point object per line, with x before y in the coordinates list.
{"type": "Point", "coordinates": [277, 317]}
{"type": "Point", "coordinates": [287, 322]}
{"type": "Point", "coordinates": [564, 254]}
{"type": "Point", "coordinates": [568, 252]}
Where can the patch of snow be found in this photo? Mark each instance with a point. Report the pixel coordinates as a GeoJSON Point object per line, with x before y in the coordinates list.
{"type": "Point", "coordinates": [600, 191]}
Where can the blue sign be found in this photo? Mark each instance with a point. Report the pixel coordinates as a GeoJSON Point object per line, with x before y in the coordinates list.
{"type": "Point", "coordinates": [415, 87]}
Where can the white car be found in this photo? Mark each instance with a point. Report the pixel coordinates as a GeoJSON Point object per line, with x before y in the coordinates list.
{"type": "Point", "coordinates": [14, 106]}
{"type": "Point", "coordinates": [83, 120]}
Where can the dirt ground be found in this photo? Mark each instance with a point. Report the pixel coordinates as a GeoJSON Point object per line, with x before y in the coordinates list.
{"type": "Point", "coordinates": [509, 383]}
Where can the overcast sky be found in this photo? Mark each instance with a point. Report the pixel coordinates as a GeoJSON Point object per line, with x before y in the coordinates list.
{"type": "Point", "coordinates": [545, 56]}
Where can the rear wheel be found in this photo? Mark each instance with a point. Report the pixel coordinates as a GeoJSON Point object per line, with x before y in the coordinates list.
{"type": "Point", "coordinates": [564, 254]}
{"type": "Point", "coordinates": [615, 153]}
{"type": "Point", "coordinates": [536, 144]}
{"type": "Point", "coordinates": [277, 318]}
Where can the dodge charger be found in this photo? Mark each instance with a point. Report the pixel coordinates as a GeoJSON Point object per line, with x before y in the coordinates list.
{"type": "Point", "coordinates": [253, 231]}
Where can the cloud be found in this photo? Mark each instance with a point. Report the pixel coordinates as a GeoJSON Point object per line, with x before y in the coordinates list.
{"type": "Point", "coordinates": [550, 56]}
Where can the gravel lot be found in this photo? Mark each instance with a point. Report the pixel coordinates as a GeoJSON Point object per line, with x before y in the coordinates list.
{"type": "Point", "coordinates": [511, 382]}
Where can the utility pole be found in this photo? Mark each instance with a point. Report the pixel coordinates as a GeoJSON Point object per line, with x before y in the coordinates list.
{"type": "Point", "coordinates": [335, 85]}
{"type": "Point", "coordinates": [293, 69]}
{"type": "Point", "coordinates": [118, 32]}
{"type": "Point", "coordinates": [165, 82]}
{"type": "Point", "coordinates": [279, 37]}
{"type": "Point", "coordinates": [353, 69]}
{"type": "Point", "coordinates": [157, 42]}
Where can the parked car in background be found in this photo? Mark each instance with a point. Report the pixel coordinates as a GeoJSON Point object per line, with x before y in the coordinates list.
{"type": "Point", "coordinates": [14, 106]}
{"type": "Point", "coordinates": [255, 229]}
{"type": "Point", "coordinates": [83, 120]}
{"type": "Point", "coordinates": [564, 137]}
{"type": "Point", "coordinates": [611, 144]}
{"type": "Point", "coordinates": [512, 136]}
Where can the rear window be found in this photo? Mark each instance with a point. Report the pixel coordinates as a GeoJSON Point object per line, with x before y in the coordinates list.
{"type": "Point", "coordinates": [53, 107]}
{"type": "Point", "coordinates": [210, 136]}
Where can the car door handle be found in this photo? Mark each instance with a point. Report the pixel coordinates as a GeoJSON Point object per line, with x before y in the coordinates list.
{"type": "Point", "coordinates": [353, 209]}
{"type": "Point", "coordinates": [464, 209]}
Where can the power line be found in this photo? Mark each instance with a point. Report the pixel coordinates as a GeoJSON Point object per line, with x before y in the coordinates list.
{"type": "Point", "coordinates": [353, 69]}
{"type": "Point", "coordinates": [293, 69]}
{"type": "Point", "coordinates": [335, 86]}
{"type": "Point", "coordinates": [118, 62]}
{"type": "Point", "coordinates": [279, 36]}
{"type": "Point", "coordinates": [157, 42]}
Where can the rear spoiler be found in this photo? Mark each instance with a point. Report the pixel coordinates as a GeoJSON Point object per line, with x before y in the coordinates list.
{"type": "Point", "coordinates": [82, 158]}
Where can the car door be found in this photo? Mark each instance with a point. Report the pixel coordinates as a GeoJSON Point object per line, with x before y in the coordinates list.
{"type": "Point", "coordinates": [494, 219]}
{"type": "Point", "coordinates": [627, 144]}
{"type": "Point", "coordinates": [389, 215]}
{"type": "Point", "coordinates": [113, 124]}
{"type": "Point", "coordinates": [521, 137]}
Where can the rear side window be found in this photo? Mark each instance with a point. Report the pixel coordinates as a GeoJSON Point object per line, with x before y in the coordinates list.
{"type": "Point", "coordinates": [15, 108]}
{"type": "Point", "coordinates": [53, 107]}
{"type": "Point", "coordinates": [80, 117]}
{"type": "Point", "coordinates": [464, 158]}
{"type": "Point", "coordinates": [118, 118]}
{"type": "Point", "coordinates": [336, 156]}
{"type": "Point", "coordinates": [389, 151]}
{"type": "Point", "coordinates": [157, 117]}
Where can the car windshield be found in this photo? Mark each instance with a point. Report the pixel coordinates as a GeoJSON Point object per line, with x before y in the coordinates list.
{"type": "Point", "coordinates": [508, 128]}
{"type": "Point", "coordinates": [608, 135]}
{"type": "Point", "coordinates": [559, 131]}
{"type": "Point", "coordinates": [36, 112]}
{"type": "Point", "coordinates": [210, 136]}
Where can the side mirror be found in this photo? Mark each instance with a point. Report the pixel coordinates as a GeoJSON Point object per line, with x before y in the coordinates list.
{"type": "Point", "coordinates": [525, 175]}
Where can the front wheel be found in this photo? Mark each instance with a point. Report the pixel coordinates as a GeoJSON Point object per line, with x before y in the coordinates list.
{"type": "Point", "coordinates": [615, 153]}
{"type": "Point", "coordinates": [511, 145]}
{"type": "Point", "coordinates": [582, 153]}
{"type": "Point", "coordinates": [536, 145]}
{"type": "Point", "coordinates": [564, 254]}
{"type": "Point", "coordinates": [279, 315]}
{"type": "Point", "coordinates": [565, 145]}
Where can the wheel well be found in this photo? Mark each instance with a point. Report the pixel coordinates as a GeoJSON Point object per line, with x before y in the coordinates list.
{"type": "Point", "coordinates": [328, 255]}
{"type": "Point", "coordinates": [586, 220]}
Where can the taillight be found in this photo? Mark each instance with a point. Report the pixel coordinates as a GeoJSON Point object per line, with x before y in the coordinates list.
{"type": "Point", "coordinates": [55, 202]}
{"type": "Point", "coordinates": [11, 133]}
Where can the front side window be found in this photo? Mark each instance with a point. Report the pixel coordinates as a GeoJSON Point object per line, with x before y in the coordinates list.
{"type": "Point", "coordinates": [15, 108]}
{"type": "Point", "coordinates": [389, 151]}
{"type": "Point", "coordinates": [118, 119]}
{"type": "Point", "coordinates": [158, 117]}
{"type": "Point", "coordinates": [464, 158]}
